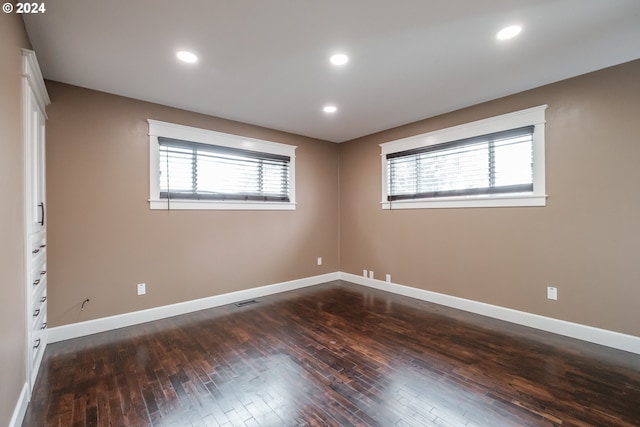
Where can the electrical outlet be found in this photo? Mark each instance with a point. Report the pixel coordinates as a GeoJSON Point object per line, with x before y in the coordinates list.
{"type": "Point", "coordinates": [142, 288]}
{"type": "Point", "coordinates": [389, 278]}
{"type": "Point", "coordinates": [370, 274]}
{"type": "Point", "coordinates": [364, 273]}
{"type": "Point", "coordinates": [319, 260]}
{"type": "Point", "coordinates": [552, 292]}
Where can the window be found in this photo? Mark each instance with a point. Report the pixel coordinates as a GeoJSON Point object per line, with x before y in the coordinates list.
{"type": "Point", "coordinates": [200, 169]}
{"type": "Point", "coordinates": [189, 170]}
{"type": "Point", "coordinates": [492, 162]}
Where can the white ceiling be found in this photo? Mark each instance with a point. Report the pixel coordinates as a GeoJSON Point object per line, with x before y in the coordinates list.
{"type": "Point", "coordinates": [265, 62]}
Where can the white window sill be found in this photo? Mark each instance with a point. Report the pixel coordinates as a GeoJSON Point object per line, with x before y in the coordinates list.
{"type": "Point", "coordinates": [220, 205]}
{"type": "Point", "coordinates": [468, 202]}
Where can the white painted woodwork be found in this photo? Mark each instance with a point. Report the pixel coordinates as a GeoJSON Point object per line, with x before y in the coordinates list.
{"type": "Point", "coordinates": [35, 99]}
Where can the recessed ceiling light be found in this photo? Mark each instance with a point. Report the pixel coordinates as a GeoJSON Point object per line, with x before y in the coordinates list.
{"type": "Point", "coordinates": [186, 56]}
{"type": "Point", "coordinates": [509, 32]}
{"type": "Point", "coordinates": [339, 59]}
{"type": "Point", "coordinates": [330, 109]}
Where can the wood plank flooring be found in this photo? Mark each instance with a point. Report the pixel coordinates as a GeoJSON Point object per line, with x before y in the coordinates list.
{"type": "Point", "coordinates": [334, 355]}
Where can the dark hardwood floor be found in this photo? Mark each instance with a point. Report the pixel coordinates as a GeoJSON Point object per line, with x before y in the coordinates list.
{"type": "Point", "coordinates": [334, 355]}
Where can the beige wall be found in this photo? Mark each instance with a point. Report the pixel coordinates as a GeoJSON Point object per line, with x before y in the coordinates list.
{"type": "Point", "coordinates": [103, 239]}
{"type": "Point", "coordinates": [586, 241]}
{"type": "Point", "coordinates": [12, 305]}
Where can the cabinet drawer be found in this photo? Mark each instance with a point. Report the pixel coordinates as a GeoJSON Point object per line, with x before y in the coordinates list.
{"type": "Point", "coordinates": [39, 298]}
{"type": "Point", "coordinates": [38, 275]}
{"type": "Point", "coordinates": [38, 246]}
{"type": "Point", "coordinates": [38, 313]}
{"type": "Point", "coordinates": [41, 324]}
{"type": "Point", "coordinates": [37, 343]}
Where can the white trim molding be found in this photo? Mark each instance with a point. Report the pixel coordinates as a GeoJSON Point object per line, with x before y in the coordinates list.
{"type": "Point", "coordinates": [31, 71]}
{"type": "Point", "coordinates": [223, 205]}
{"type": "Point", "coordinates": [204, 136]}
{"type": "Point", "coordinates": [90, 327]}
{"type": "Point", "coordinates": [599, 336]}
{"type": "Point", "coordinates": [20, 409]}
{"type": "Point", "coordinates": [534, 116]}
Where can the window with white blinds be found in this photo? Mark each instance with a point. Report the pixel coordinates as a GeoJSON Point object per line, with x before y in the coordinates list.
{"type": "Point", "coordinates": [501, 162]}
{"type": "Point", "coordinates": [463, 166]}
{"type": "Point", "coordinates": [190, 170]}
{"type": "Point", "coordinates": [194, 168]}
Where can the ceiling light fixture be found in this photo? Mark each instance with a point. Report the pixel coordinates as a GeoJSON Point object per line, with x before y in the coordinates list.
{"type": "Point", "coordinates": [339, 59]}
{"type": "Point", "coordinates": [188, 57]}
{"type": "Point", "coordinates": [509, 32]}
{"type": "Point", "coordinates": [330, 109]}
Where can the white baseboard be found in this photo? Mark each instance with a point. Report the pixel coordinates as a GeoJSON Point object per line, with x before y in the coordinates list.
{"type": "Point", "coordinates": [21, 407]}
{"type": "Point", "coordinates": [89, 327]}
{"type": "Point", "coordinates": [604, 337]}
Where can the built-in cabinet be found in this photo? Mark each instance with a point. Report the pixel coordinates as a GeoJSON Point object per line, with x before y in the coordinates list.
{"type": "Point", "coordinates": [35, 99]}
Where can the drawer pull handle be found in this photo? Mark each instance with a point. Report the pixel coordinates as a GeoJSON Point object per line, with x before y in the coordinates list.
{"type": "Point", "coordinates": [35, 251]}
{"type": "Point", "coordinates": [36, 282]}
{"type": "Point", "coordinates": [42, 210]}
{"type": "Point", "coordinates": [43, 272]}
{"type": "Point", "coordinates": [44, 326]}
{"type": "Point", "coordinates": [36, 313]}
{"type": "Point", "coordinates": [43, 299]}
{"type": "Point", "coordinates": [43, 246]}
{"type": "Point", "coordinates": [37, 343]}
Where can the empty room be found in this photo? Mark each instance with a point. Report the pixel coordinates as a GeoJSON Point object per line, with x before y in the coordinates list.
{"type": "Point", "coordinates": [320, 213]}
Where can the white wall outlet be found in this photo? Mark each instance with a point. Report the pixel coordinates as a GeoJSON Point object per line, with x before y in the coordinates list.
{"type": "Point", "coordinates": [319, 260]}
{"type": "Point", "coordinates": [364, 273]}
{"type": "Point", "coordinates": [389, 278]}
{"type": "Point", "coordinates": [370, 274]}
{"type": "Point", "coordinates": [142, 288]}
{"type": "Point", "coordinates": [552, 292]}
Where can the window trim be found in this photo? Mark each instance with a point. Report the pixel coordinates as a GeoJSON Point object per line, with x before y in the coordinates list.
{"type": "Point", "coordinates": [187, 133]}
{"type": "Point", "coordinates": [534, 116]}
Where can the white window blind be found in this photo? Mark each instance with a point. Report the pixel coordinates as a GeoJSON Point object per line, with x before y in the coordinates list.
{"type": "Point", "coordinates": [496, 163]}
{"type": "Point", "coordinates": [197, 171]}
